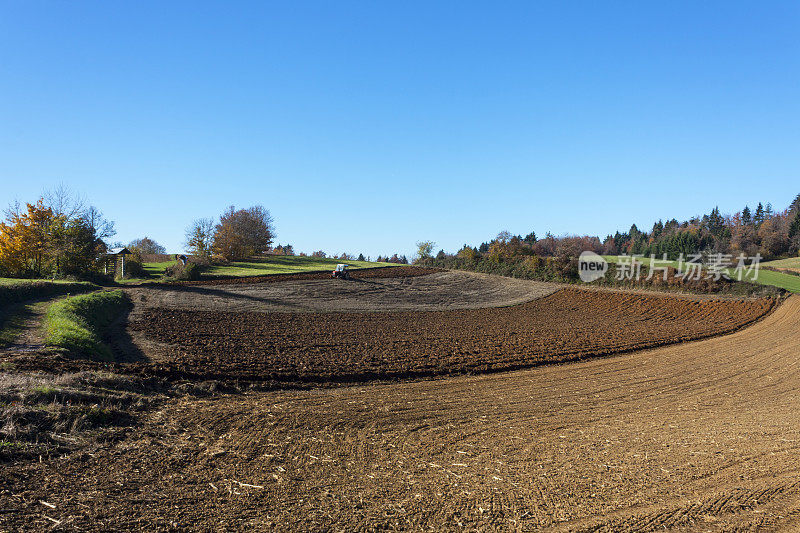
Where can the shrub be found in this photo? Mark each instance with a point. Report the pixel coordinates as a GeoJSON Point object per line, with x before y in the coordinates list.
{"type": "Point", "coordinates": [189, 272]}
{"type": "Point", "coordinates": [202, 260]}
{"type": "Point", "coordinates": [217, 259]}
{"type": "Point", "coordinates": [156, 258]}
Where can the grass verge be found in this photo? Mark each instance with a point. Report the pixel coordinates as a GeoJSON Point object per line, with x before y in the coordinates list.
{"type": "Point", "coordinates": [17, 296]}
{"type": "Point", "coordinates": [21, 290]}
{"type": "Point", "coordinates": [76, 323]}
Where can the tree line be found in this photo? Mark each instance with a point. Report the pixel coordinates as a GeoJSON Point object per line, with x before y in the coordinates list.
{"type": "Point", "coordinates": [761, 231]}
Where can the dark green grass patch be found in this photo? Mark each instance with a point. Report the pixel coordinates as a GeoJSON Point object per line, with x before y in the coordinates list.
{"type": "Point", "coordinates": [22, 290]}
{"type": "Point", "coordinates": [76, 323]}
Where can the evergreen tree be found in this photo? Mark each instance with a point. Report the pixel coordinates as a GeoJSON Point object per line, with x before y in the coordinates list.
{"type": "Point", "coordinates": [716, 224]}
{"type": "Point", "coordinates": [747, 217]}
{"type": "Point", "coordinates": [530, 238]}
{"type": "Point", "coordinates": [758, 218]}
{"type": "Point", "coordinates": [796, 204]}
{"type": "Point", "coordinates": [658, 228]}
{"type": "Point", "coordinates": [794, 227]}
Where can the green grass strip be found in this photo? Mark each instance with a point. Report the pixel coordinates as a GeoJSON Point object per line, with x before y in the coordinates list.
{"type": "Point", "coordinates": [284, 264]}
{"type": "Point", "coordinates": [765, 277]}
{"type": "Point", "coordinates": [14, 291]}
{"type": "Point", "coordinates": [76, 323]}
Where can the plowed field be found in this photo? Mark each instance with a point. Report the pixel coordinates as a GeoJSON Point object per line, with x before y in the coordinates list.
{"type": "Point", "coordinates": [700, 436]}
{"type": "Point", "coordinates": [433, 291]}
{"type": "Point", "coordinates": [568, 325]}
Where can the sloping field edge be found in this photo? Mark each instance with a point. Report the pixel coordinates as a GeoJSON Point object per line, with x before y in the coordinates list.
{"type": "Point", "coordinates": [359, 273]}
{"type": "Point", "coordinates": [297, 382]}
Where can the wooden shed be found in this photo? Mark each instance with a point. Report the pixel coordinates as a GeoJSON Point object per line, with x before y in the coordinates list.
{"type": "Point", "coordinates": [113, 257]}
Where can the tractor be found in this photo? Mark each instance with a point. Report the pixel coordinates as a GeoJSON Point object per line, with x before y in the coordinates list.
{"type": "Point", "coordinates": [341, 272]}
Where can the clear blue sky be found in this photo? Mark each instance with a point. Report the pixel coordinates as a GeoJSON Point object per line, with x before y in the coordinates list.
{"type": "Point", "coordinates": [369, 126]}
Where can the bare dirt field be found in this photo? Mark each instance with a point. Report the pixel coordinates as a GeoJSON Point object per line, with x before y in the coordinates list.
{"type": "Point", "coordinates": [701, 436]}
{"type": "Point", "coordinates": [567, 325]}
{"type": "Point", "coordinates": [660, 433]}
{"type": "Point", "coordinates": [432, 291]}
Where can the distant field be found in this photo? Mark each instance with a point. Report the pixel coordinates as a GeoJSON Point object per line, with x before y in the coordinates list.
{"type": "Point", "coordinates": [778, 279]}
{"type": "Point", "coordinates": [765, 277]}
{"type": "Point", "coordinates": [156, 270]}
{"type": "Point", "coordinates": [256, 267]}
{"type": "Point", "coordinates": [792, 262]}
{"type": "Point", "coordinates": [310, 347]}
{"type": "Point", "coordinates": [277, 264]}
{"type": "Point", "coordinates": [283, 264]}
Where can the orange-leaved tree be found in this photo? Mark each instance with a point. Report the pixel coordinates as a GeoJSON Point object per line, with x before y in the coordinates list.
{"type": "Point", "coordinates": [243, 233]}
{"type": "Point", "coordinates": [40, 240]}
{"type": "Point", "coordinates": [25, 239]}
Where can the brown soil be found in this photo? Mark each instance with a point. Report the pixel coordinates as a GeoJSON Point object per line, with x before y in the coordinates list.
{"type": "Point", "coordinates": [310, 347]}
{"type": "Point", "coordinates": [696, 436]}
{"type": "Point", "coordinates": [24, 320]}
{"type": "Point", "coordinates": [436, 291]}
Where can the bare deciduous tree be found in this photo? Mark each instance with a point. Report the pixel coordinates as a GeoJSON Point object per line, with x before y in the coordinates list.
{"type": "Point", "coordinates": [199, 237]}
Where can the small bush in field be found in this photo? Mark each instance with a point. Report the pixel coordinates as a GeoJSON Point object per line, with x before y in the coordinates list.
{"type": "Point", "coordinates": [189, 272]}
{"type": "Point", "coordinates": [217, 259]}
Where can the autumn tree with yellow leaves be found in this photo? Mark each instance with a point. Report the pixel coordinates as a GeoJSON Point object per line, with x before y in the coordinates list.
{"type": "Point", "coordinates": [47, 239]}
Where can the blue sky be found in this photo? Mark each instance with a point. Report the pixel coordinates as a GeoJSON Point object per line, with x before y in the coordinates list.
{"type": "Point", "coordinates": [365, 127]}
